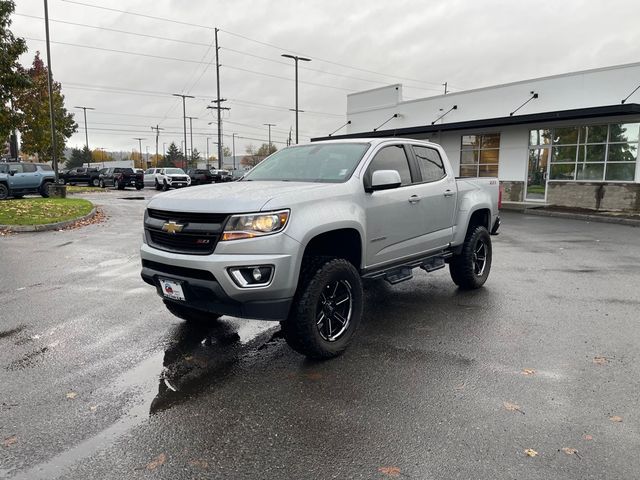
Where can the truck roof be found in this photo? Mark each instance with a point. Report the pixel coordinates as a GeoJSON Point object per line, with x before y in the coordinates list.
{"type": "Point", "coordinates": [373, 141]}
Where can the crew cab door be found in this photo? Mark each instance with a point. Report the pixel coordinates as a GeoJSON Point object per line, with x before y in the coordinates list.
{"type": "Point", "coordinates": [438, 192]}
{"type": "Point", "coordinates": [393, 218]}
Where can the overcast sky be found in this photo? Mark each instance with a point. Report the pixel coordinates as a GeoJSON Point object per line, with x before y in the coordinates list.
{"type": "Point", "coordinates": [354, 46]}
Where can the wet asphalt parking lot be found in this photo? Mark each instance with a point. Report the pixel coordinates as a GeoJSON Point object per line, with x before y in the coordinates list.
{"type": "Point", "coordinates": [98, 380]}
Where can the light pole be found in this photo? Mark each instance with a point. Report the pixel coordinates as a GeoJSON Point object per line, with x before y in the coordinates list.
{"type": "Point", "coordinates": [147, 162]}
{"type": "Point", "coordinates": [272, 125]}
{"type": "Point", "coordinates": [54, 155]}
{"type": "Point", "coordinates": [191, 119]}
{"type": "Point", "coordinates": [208, 138]}
{"type": "Point", "coordinates": [86, 132]}
{"type": "Point", "coordinates": [233, 139]}
{"type": "Point", "coordinates": [296, 58]}
{"type": "Point", "coordinates": [184, 118]}
{"type": "Point", "coordinates": [140, 144]}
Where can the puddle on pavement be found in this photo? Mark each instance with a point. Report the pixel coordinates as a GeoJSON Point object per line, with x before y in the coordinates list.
{"type": "Point", "coordinates": [196, 358]}
{"type": "Point", "coordinates": [132, 198]}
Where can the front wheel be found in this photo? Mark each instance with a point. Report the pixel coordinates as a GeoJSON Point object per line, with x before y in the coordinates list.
{"type": "Point", "coordinates": [470, 268]}
{"type": "Point", "coordinates": [95, 182]}
{"type": "Point", "coordinates": [4, 191]}
{"type": "Point", "coordinates": [327, 308]}
{"type": "Point", "coordinates": [189, 314]}
{"type": "Point", "coordinates": [44, 190]}
{"type": "Point", "coordinates": [165, 186]}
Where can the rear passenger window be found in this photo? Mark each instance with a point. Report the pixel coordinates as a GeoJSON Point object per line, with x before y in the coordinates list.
{"type": "Point", "coordinates": [28, 167]}
{"type": "Point", "coordinates": [430, 163]}
{"type": "Point", "coordinates": [391, 158]}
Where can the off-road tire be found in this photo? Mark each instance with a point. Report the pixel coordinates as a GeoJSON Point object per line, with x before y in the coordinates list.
{"type": "Point", "coordinates": [301, 329]}
{"type": "Point", "coordinates": [165, 186]}
{"type": "Point", "coordinates": [94, 182]}
{"type": "Point", "coordinates": [44, 189]}
{"type": "Point", "coordinates": [464, 267]}
{"type": "Point", "coordinates": [189, 314]}
{"type": "Point", "coordinates": [4, 191]}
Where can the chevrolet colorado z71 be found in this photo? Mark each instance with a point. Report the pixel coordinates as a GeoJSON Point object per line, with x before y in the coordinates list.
{"type": "Point", "coordinates": [293, 239]}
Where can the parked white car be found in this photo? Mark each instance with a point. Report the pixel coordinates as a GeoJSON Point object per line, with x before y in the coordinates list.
{"type": "Point", "coordinates": [166, 178]}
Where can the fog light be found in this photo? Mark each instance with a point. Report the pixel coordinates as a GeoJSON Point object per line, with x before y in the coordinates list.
{"type": "Point", "coordinates": [253, 276]}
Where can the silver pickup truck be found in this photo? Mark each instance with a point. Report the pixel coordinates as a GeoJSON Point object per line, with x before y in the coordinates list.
{"type": "Point", "coordinates": [293, 239]}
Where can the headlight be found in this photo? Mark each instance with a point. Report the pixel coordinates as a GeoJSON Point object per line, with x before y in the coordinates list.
{"type": "Point", "coordinates": [255, 225]}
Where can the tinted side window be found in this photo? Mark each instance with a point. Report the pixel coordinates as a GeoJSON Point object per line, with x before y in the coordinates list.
{"type": "Point", "coordinates": [28, 168]}
{"type": "Point", "coordinates": [149, 171]}
{"type": "Point", "coordinates": [391, 158]}
{"type": "Point", "coordinates": [430, 163]}
{"type": "Point", "coordinates": [4, 168]}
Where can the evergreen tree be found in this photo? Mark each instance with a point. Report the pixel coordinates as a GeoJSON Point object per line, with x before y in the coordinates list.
{"type": "Point", "coordinates": [34, 104]}
{"type": "Point", "coordinates": [12, 78]}
{"type": "Point", "coordinates": [76, 159]}
{"type": "Point", "coordinates": [173, 157]}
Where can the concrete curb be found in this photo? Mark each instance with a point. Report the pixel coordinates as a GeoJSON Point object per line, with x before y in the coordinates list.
{"type": "Point", "coordinates": [580, 216]}
{"type": "Point", "coordinates": [48, 226]}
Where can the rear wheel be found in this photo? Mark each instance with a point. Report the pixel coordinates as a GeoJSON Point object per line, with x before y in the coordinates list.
{"type": "Point", "coordinates": [470, 268]}
{"type": "Point", "coordinates": [139, 186]}
{"type": "Point", "coordinates": [165, 186]}
{"type": "Point", "coordinates": [327, 308]}
{"type": "Point", "coordinates": [189, 314]}
{"type": "Point", "coordinates": [157, 185]}
{"type": "Point", "coordinates": [95, 182]}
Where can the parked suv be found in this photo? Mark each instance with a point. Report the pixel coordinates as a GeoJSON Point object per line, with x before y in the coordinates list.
{"type": "Point", "coordinates": [18, 179]}
{"type": "Point", "coordinates": [221, 176]}
{"type": "Point", "coordinates": [166, 178]}
{"type": "Point", "coordinates": [293, 239]}
{"type": "Point", "coordinates": [120, 178]}
{"type": "Point", "coordinates": [88, 175]}
{"type": "Point", "coordinates": [200, 176]}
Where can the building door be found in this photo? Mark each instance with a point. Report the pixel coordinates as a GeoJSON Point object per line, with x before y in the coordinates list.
{"type": "Point", "coordinates": [537, 174]}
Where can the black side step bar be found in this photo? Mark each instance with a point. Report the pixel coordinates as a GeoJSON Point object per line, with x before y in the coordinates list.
{"type": "Point", "coordinates": [404, 271]}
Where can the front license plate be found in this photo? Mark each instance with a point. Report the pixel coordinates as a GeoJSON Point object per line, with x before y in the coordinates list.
{"type": "Point", "coordinates": [172, 289]}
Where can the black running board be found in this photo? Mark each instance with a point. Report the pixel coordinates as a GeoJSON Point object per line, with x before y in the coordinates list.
{"type": "Point", "coordinates": [402, 271]}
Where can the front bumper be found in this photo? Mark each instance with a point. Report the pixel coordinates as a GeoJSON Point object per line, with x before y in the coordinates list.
{"type": "Point", "coordinates": [208, 285]}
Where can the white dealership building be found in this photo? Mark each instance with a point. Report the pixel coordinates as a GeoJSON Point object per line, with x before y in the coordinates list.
{"type": "Point", "coordinates": [569, 140]}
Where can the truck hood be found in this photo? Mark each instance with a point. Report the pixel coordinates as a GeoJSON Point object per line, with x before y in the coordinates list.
{"type": "Point", "coordinates": [231, 197]}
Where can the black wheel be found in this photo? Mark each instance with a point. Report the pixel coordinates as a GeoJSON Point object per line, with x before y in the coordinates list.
{"type": "Point", "coordinates": [190, 314]}
{"type": "Point", "coordinates": [165, 186]}
{"type": "Point", "coordinates": [470, 268]}
{"type": "Point", "coordinates": [44, 189]}
{"type": "Point", "coordinates": [95, 182]}
{"type": "Point", "coordinates": [4, 191]}
{"type": "Point", "coordinates": [63, 181]}
{"type": "Point", "coordinates": [157, 185]}
{"type": "Point", "coordinates": [139, 187]}
{"type": "Point", "coordinates": [326, 310]}
{"type": "Point", "coordinates": [101, 183]}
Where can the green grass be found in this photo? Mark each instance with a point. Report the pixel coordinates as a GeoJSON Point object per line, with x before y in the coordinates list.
{"type": "Point", "coordinates": [85, 189]}
{"type": "Point", "coordinates": [38, 211]}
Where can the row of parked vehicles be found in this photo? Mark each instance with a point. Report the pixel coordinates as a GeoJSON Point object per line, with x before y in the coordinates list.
{"type": "Point", "coordinates": [159, 178]}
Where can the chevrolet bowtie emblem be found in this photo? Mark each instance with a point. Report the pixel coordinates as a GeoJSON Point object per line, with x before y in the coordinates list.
{"type": "Point", "coordinates": [172, 227]}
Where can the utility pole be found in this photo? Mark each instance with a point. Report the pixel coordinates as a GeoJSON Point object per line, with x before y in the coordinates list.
{"type": "Point", "coordinates": [218, 102]}
{"type": "Point", "coordinates": [296, 58]}
{"type": "Point", "coordinates": [445, 87]}
{"type": "Point", "coordinates": [54, 145]}
{"type": "Point", "coordinates": [157, 130]}
{"type": "Point", "coordinates": [86, 132]}
{"type": "Point", "coordinates": [184, 118]}
{"type": "Point", "coordinates": [191, 135]}
{"type": "Point", "coordinates": [269, 125]}
{"type": "Point", "coordinates": [208, 138]}
{"type": "Point", "coordinates": [139, 143]}
{"type": "Point", "coordinates": [219, 109]}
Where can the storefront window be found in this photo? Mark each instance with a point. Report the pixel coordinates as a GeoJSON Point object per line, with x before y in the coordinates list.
{"type": "Point", "coordinates": [591, 152]}
{"type": "Point", "coordinates": [480, 155]}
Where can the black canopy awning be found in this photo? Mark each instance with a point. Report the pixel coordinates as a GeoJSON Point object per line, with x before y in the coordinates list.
{"type": "Point", "coordinates": [576, 114]}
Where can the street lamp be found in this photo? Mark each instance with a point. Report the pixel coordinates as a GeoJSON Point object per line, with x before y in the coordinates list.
{"type": "Point", "coordinates": [296, 58]}
{"type": "Point", "coordinates": [86, 132]}
{"type": "Point", "coordinates": [272, 125]}
{"type": "Point", "coordinates": [233, 139]}
{"type": "Point", "coordinates": [184, 118]}
{"type": "Point", "coordinates": [191, 119]}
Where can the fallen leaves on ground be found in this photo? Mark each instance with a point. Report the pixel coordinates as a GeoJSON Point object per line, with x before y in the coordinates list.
{"type": "Point", "coordinates": [93, 408]}
{"type": "Point", "coordinates": [390, 471]}
{"type": "Point", "coordinates": [530, 452]}
{"type": "Point", "coordinates": [72, 395]}
{"type": "Point", "coordinates": [600, 360]}
{"type": "Point", "coordinates": [528, 371]}
{"type": "Point", "coordinates": [587, 437]}
{"type": "Point", "coordinates": [99, 217]}
{"type": "Point", "coordinates": [570, 451]}
{"type": "Point", "coordinates": [7, 442]}
{"type": "Point", "coordinates": [615, 419]}
{"type": "Point", "coordinates": [512, 407]}
{"type": "Point", "coordinates": [157, 462]}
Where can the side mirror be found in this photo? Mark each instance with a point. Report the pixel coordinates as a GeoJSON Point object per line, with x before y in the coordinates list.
{"type": "Point", "coordinates": [385, 180]}
{"type": "Point", "coordinates": [12, 172]}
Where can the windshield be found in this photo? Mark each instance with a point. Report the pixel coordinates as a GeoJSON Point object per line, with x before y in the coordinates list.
{"type": "Point", "coordinates": [174, 171]}
{"type": "Point", "coordinates": [323, 163]}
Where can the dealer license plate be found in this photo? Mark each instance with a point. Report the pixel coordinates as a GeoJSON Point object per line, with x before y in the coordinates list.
{"type": "Point", "coordinates": [172, 289]}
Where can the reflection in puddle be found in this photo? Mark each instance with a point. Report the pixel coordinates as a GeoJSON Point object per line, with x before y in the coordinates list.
{"type": "Point", "coordinates": [202, 354]}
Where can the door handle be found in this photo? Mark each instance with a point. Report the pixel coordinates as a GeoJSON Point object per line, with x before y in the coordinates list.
{"type": "Point", "coordinates": [414, 199]}
{"type": "Point", "coordinates": [449, 193]}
